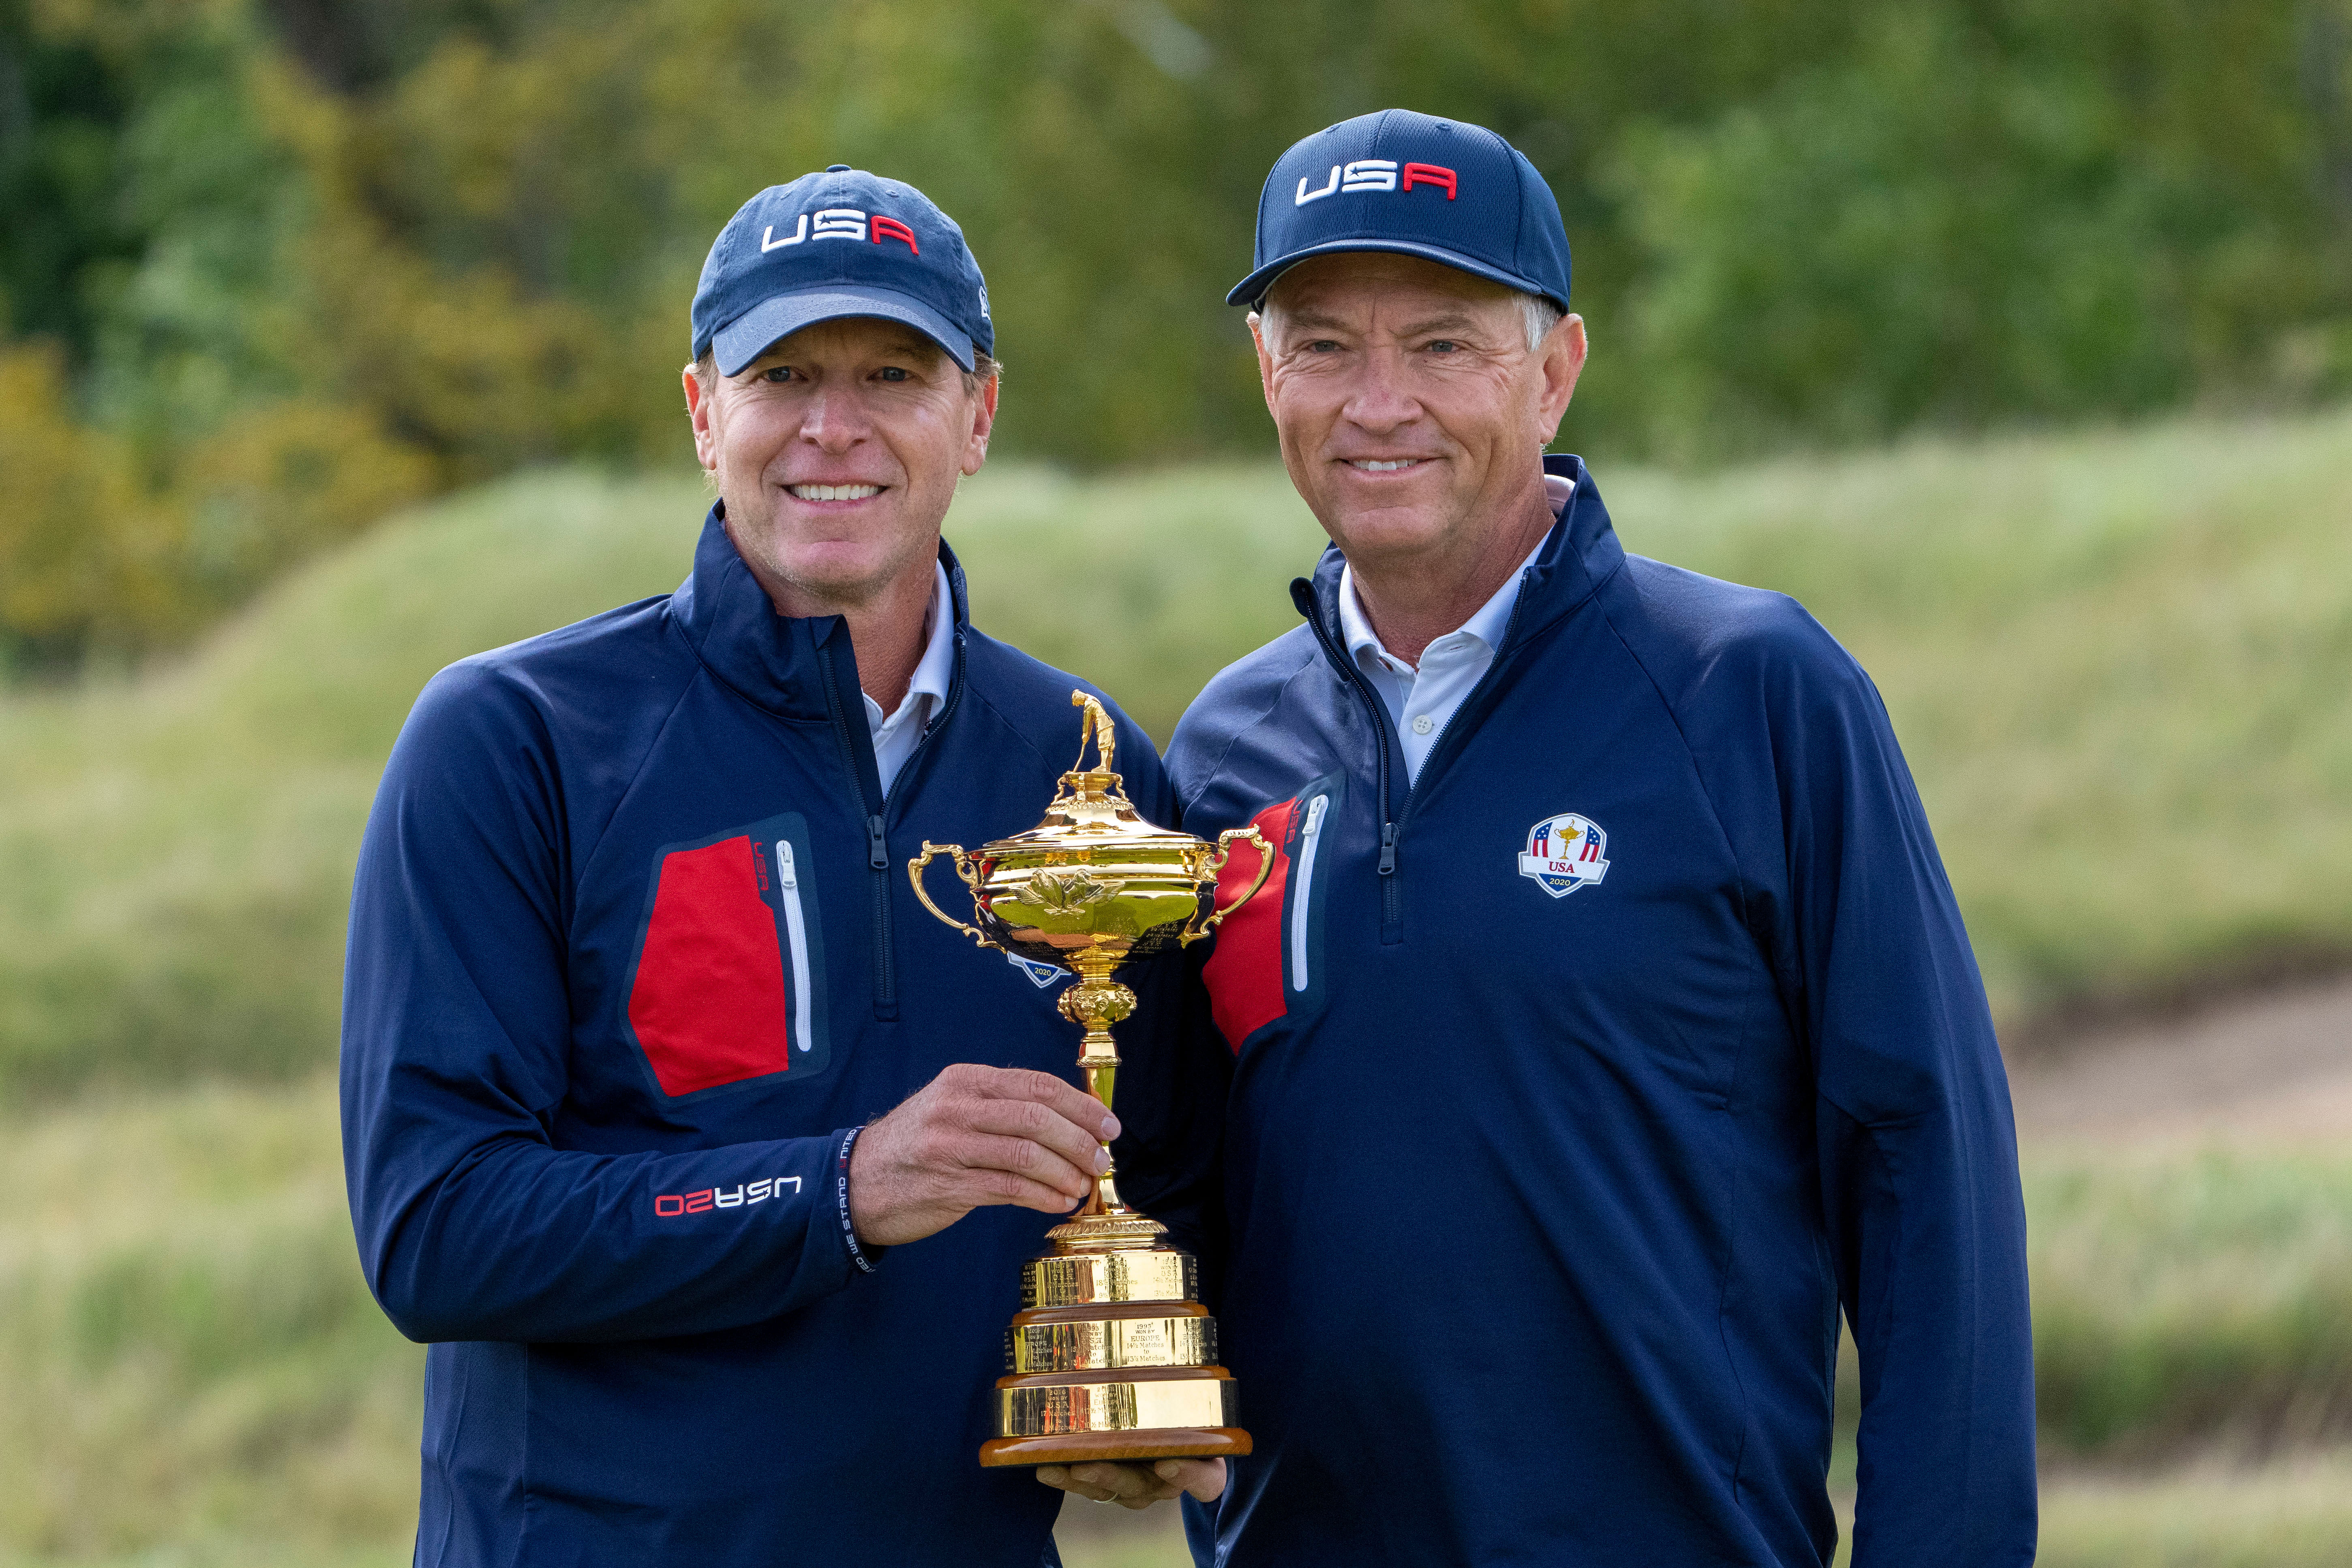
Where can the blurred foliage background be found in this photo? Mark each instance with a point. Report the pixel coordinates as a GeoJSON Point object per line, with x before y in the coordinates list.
{"type": "Point", "coordinates": [273, 267]}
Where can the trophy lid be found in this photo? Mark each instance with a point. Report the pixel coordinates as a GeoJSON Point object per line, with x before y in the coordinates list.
{"type": "Point", "coordinates": [1091, 809]}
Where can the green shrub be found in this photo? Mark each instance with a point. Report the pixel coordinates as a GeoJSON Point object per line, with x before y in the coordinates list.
{"type": "Point", "coordinates": [1922, 233]}
{"type": "Point", "coordinates": [84, 550]}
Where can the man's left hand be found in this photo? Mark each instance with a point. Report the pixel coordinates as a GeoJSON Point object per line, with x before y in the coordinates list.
{"type": "Point", "coordinates": [1139, 1485]}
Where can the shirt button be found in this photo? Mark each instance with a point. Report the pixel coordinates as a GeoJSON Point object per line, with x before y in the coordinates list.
{"type": "Point", "coordinates": [1422, 725]}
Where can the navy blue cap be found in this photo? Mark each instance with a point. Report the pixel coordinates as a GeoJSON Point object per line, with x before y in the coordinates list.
{"type": "Point", "coordinates": [839, 243]}
{"type": "Point", "coordinates": [1421, 186]}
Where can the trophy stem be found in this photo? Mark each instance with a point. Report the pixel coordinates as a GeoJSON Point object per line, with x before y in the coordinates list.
{"type": "Point", "coordinates": [1098, 1002]}
{"type": "Point", "coordinates": [1098, 1058]}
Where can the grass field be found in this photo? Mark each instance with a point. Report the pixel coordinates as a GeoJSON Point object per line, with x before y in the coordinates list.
{"type": "Point", "coordinates": [2196, 1300]}
{"type": "Point", "coordinates": [191, 1360]}
{"type": "Point", "coordinates": [2121, 664]}
{"type": "Point", "coordinates": [197, 1377]}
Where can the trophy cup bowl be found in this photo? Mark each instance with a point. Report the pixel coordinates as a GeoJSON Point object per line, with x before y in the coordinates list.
{"type": "Point", "coordinates": [1110, 1356]}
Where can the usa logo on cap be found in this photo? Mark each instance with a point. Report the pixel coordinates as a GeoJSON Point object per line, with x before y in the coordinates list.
{"type": "Point", "coordinates": [1397, 181]}
{"type": "Point", "coordinates": [838, 243]}
{"type": "Point", "coordinates": [1564, 853]}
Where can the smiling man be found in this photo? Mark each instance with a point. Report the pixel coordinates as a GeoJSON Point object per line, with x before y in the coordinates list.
{"type": "Point", "coordinates": [634, 962]}
{"type": "Point", "coordinates": [1609, 1026]}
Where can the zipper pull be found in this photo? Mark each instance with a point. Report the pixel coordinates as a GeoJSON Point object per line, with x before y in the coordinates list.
{"type": "Point", "coordinates": [878, 852]}
{"type": "Point", "coordinates": [785, 875]}
{"type": "Point", "coordinates": [1314, 815]}
{"type": "Point", "coordinates": [1388, 848]}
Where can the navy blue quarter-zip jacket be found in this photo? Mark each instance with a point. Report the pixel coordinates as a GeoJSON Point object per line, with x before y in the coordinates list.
{"type": "Point", "coordinates": [1576, 1088]}
{"type": "Point", "coordinates": [633, 954]}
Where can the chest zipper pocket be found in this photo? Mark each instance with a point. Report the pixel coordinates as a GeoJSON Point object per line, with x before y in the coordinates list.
{"type": "Point", "coordinates": [788, 890]}
{"type": "Point", "coordinates": [721, 993]}
{"type": "Point", "coordinates": [1302, 891]}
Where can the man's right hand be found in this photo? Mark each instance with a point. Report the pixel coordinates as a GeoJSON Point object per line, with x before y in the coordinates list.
{"type": "Point", "coordinates": [972, 1137]}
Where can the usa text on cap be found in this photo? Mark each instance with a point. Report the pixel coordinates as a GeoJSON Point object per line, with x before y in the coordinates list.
{"type": "Point", "coordinates": [1397, 181]}
{"type": "Point", "coordinates": [839, 243]}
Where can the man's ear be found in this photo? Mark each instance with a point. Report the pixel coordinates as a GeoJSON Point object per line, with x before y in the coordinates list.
{"type": "Point", "coordinates": [1562, 361]}
{"type": "Point", "coordinates": [1265, 358]}
{"type": "Point", "coordinates": [983, 420]}
{"type": "Point", "coordinates": [700, 413]}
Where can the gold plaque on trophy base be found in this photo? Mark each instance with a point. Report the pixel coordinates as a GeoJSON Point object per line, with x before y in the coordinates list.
{"type": "Point", "coordinates": [1111, 1357]}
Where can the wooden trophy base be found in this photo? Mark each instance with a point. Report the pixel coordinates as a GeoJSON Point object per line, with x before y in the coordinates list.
{"type": "Point", "coordinates": [1094, 1448]}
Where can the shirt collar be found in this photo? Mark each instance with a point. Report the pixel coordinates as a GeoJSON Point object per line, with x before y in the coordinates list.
{"type": "Point", "coordinates": [1578, 557]}
{"type": "Point", "coordinates": [1486, 623]}
{"type": "Point", "coordinates": [936, 669]}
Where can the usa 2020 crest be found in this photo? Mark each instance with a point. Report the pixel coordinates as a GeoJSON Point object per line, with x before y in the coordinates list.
{"type": "Point", "coordinates": [1564, 853]}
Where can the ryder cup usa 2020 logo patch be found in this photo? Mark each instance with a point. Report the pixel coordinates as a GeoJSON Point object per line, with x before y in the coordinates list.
{"type": "Point", "coordinates": [1564, 853]}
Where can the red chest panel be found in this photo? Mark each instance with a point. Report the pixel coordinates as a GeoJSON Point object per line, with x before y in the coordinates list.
{"type": "Point", "coordinates": [709, 1003]}
{"type": "Point", "coordinates": [1245, 974]}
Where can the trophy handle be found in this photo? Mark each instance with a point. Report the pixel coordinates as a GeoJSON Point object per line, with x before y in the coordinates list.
{"type": "Point", "coordinates": [1202, 925]}
{"type": "Point", "coordinates": [963, 870]}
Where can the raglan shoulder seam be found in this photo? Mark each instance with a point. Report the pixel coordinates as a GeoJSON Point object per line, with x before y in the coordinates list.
{"type": "Point", "coordinates": [652, 741]}
{"type": "Point", "coordinates": [988, 700]}
{"type": "Point", "coordinates": [1183, 803]}
{"type": "Point", "coordinates": [1690, 753]}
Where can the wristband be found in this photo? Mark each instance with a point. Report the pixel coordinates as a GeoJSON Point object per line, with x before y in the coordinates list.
{"type": "Point", "coordinates": [841, 1201]}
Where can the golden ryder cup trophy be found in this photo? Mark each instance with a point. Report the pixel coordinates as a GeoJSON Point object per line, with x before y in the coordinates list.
{"type": "Point", "coordinates": [1111, 1357]}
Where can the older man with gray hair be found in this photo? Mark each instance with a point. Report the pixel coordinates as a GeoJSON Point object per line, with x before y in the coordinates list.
{"type": "Point", "coordinates": [1610, 1028]}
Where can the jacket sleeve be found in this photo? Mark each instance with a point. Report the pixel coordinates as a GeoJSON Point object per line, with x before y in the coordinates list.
{"type": "Point", "coordinates": [472, 1224]}
{"type": "Point", "coordinates": [1917, 1149]}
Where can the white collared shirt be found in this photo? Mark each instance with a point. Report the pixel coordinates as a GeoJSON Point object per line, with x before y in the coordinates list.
{"type": "Point", "coordinates": [894, 737]}
{"type": "Point", "coordinates": [1421, 699]}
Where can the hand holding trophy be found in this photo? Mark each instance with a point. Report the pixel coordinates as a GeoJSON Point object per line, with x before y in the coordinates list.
{"type": "Point", "coordinates": [1110, 1358]}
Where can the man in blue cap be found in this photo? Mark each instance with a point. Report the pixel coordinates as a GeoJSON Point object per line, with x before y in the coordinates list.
{"type": "Point", "coordinates": [1607, 1025]}
{"type": "Point", "coordinates": [634, 965]}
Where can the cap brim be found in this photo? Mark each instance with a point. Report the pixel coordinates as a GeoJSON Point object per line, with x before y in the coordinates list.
{"type": "Point", "coordinates": [750, 334]}
{"type": "Point", "coordinates": [1252, 289]}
